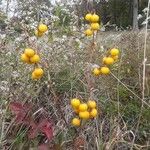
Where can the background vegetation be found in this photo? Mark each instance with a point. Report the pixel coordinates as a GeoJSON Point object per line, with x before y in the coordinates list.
{"type": "Point", "coordinates": [123, 122]}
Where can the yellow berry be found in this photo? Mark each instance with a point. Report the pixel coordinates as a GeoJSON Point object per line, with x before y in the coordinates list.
{"type": "Point", "coordinates": [94, 18]}
{"type": "Point", "coordinates": [83, 107]}
{"type": "Point", "coordinates": [84, 115]}
{"type": "Point", "coordinates": [38, 34]}
{"type": "Point", "coordinates": [29, 52]}
{"type": "Point", "coordinates": [104, 59]}
{"type": "Point", "coordinates": [88, 32]}
{"type": "Point", "coordinates": [34, 76]}
{"type": "Point", "coordinates": [42, 28]}
{"type": "Point", "coordinates": [115, 57]}
{"type": "Point", "coordinates": [75, 102]}
{"type": "Point", "coordinates": [105, 70]}
{"type": "Point", "coordinates": [76, 122]}
{"type": "Point", "coordinates": [38, 72]}
{"type": "Point", "coordinates": [96, 71]}
{"type": "Point", "coordinates": [91, 104]}
{"type": "Point", "coordinates": [29, 62]}
{"type": "Point", "coordinates": [109, 61]}
{"type": "Point", "coordinates": [114, 52]}
{"type": "Point", "coordinates": [93, 113]}
{"type": "Point", "coordinates": [25, 58]}
{"type": "Point", "coordinates": [88, 17]}
{"type": "Point", "coordinates": [95, 26]}
{"type": "Point", "coordinates": [35, 59]}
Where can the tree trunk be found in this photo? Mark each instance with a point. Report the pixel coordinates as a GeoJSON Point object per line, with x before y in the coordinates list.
{"type": "Point", "coordinates": [114, 13]}
{"type": "Point", "coordinates": [135, 14]}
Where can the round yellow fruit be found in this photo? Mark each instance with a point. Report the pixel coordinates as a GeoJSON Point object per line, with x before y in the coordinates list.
{"type": "Point", "coordinates": [35, 59]}
{"type": "Point", "coordinates": [75, 102]}
{"type": "Point", "coordinates": [93, 113]}
{"type": "Point", "coordinates": [115, 57]}
{"type": "Point", "coordinates": [96, 71]}
{"type": "Point", "coordinates": [105, 70]}
{"type": "Point", "coordinates": [109, 61]}
{"type": "Point", "coordinates": [29, 52]}
{"type": "Point", "coordinates": [42, 28]}
{"type": "Point", "coordinates": [38, 72]}
{"type": "Point", "coordinates": [94, 18]}
{"type": "Point", "coordinates": [25, 58]}
{"type": "Point", "coordinates": [104, 59]}
{"type": "Point", "coordinates": [35, 77]}
{"type": "Point", "coordinates": [84, 115]}
{"type": "Point", "coordinates": [95, 26]}
{"type": "Point", "coordinates": [83, 107]}
{"type": "Point", "coordinates": [88, 32]}
{"type": "Point", "coordinates": [38, 34]}
{"type": "Point", "coordinates": [114, 52]}
{"type": "Point", "coordinates": [88, 17]}
{"type": "Point", "coordinates": [91, 104]}
{"type": "Point", "coordinates": [76, 122]}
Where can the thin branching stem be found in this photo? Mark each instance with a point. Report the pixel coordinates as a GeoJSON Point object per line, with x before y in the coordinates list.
{"type": "Point", "coordinates": [144, 102]}
{"type": "Point", "coordinates": [144, 73]}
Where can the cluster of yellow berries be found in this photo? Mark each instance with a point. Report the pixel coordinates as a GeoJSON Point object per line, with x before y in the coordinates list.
{"type": "Point", "coordinates": [30, 57]}
{"type": "Point", "coordinates": [93, 19]}
{"type": "Point", "coordinates": [42, 28]}
{"type": "Point", "coordinates": [83, 110]}
{"type": "Point", "coordinates": [113, 56]}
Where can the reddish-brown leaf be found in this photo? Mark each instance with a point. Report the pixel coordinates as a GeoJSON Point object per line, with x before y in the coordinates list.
{"type": "Point", "coordinates": [33, 130]}
{"type": "Point", "coordinates": [20, 110]}
{"type": "Point", "coordinates": [43, 147]}
{"type": "Point", "coordinates": [45, 127]}
{"type": "Point", "coordinates": [20, 118]}
{"type": "Point", "coordinates": [16, 107]}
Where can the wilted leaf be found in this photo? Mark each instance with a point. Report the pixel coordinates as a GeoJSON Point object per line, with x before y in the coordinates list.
{"type": "Point", "coordinates": [43, 147]}
{"type": "Point", "coordinates": [33, 130]}
{"type": "Point", "coordinates": [15, 107]}
{"type": "Point", "coordinates": [45, 127]}
{"type": "Point", "coordinates": [20, 110]}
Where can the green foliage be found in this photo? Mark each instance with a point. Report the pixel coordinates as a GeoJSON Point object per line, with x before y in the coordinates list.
{"type": "Point", "coordinates": [111, 108]}
{"type": "Point", "coordinates": [65, 81]}
{"type": "Point", "coordinates": [130, 111]}
{"type": "Point", "coordinates": [121, 12]}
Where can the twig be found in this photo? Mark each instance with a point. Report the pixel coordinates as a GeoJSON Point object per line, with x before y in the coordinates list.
{"type": "Point", "coordinates": [144, 72]}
